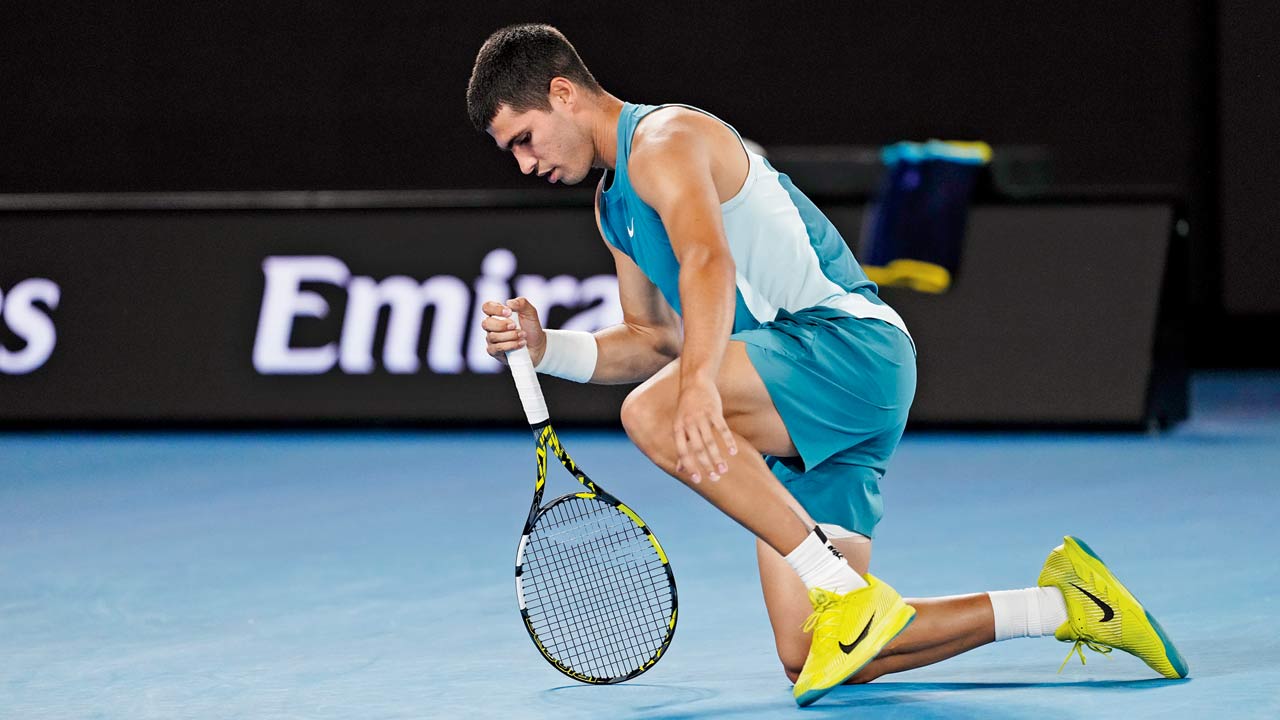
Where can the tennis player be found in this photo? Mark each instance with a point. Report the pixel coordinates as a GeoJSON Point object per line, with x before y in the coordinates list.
{"type": "Point", "coordinates": [774, 382]}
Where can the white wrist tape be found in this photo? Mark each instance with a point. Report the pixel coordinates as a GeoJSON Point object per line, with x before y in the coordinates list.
{"type": "Point", "coordinates": [570, 354]}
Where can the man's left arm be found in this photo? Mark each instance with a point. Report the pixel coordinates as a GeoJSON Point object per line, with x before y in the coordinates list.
{"type": "Point", "coordinates": [671, 172]}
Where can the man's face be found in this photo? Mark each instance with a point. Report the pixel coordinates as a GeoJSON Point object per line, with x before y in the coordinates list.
{"type": "Point", "coordinates": [544, 143]}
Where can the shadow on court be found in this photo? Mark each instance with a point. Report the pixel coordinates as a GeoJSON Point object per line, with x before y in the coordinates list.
{"type": "Point", "coordinates": [883, 688]}
{"type": "Point", "coordinates": [914, 699]}
{"type": "Point", "coordinates": [636, 697]}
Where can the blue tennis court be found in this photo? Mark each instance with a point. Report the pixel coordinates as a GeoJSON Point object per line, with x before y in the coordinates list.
{"type": "Point", "coordinates": [369, 574]}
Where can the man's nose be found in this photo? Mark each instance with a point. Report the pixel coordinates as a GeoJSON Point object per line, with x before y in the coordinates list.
{"type": "Point", "coordinates": [527, 162]}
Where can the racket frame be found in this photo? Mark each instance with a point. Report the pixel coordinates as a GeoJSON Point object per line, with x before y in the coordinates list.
{"type": "Point", "coordinates": [547, 442]}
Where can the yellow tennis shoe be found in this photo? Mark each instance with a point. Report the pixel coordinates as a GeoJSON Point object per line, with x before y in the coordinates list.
{"type": "Point", "coordinates": [1102, 614]}
{"type": "Point", "coordinates": [848, 632]}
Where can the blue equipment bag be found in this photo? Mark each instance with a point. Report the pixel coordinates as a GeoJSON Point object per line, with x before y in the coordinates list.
{"type": "Point", "coordinates": [913, 235]}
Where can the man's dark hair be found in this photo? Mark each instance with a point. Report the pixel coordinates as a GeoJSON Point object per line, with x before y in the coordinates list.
{"type": "Point", "coordinates": [515, 67]}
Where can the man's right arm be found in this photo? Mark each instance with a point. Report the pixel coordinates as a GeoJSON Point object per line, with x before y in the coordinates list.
{"type": "Point", "coordinates": [650, 334]}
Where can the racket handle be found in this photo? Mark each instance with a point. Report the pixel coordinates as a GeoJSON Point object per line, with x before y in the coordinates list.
{"type": "Point", "coordinates": [535, 406]}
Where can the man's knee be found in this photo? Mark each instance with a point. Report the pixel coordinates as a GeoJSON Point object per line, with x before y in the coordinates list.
{"type": "Point", "coordinates": [646, 421]}
{"type": "Point", "coordinates": [870, 672]}
{"type": "Point", "coordinates": [792, 657]}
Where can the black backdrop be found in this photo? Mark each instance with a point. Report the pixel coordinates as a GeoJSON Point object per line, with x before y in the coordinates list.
{"type": "Point", "coordinates": [324, 94]}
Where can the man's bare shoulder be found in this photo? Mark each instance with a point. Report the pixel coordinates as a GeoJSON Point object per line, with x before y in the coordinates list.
{"type": "Point", "coordinates": [678, 150]}
{"type": "Point", "coordinates": [673, 129]}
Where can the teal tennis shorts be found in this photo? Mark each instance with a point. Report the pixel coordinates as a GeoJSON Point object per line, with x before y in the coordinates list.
{"type": "Point", "coordinates": [843, 386]}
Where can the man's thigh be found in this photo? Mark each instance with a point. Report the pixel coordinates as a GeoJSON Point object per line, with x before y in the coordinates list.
{"type": "Point", "coordinates": [748, 409]}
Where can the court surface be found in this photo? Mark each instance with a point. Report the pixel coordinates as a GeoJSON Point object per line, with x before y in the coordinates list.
{"type": "Point", "coordinates": [369, 574]}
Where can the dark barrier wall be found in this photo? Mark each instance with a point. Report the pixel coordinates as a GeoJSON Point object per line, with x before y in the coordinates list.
{"type": "Point", "coordinates": [1056, 318]}
{"type": "Point", "coordinates": [317, 316]}
{"type": "Point", "coordinates": [359, 316]}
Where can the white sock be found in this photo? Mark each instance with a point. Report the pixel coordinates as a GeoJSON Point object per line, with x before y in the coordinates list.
{"type": "Point", "coordinates": [1032, 612]}
{"type": "Point", "coordinates": [820, 564]}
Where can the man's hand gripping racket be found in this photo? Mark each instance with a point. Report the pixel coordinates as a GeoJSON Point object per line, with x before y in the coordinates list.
{"type": "Point", "coordinates": [596, 591]}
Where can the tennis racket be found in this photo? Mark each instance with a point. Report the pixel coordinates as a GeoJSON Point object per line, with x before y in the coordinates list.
{"type": "Point", "coordinates": [596, 591]}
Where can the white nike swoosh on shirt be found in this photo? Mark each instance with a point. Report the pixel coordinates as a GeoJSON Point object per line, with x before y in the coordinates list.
{"type": "Point", "coordinates": [631, 227]}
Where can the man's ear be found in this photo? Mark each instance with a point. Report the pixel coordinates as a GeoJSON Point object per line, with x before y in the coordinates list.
{"type": "Point", "coordinates": [561, 90]}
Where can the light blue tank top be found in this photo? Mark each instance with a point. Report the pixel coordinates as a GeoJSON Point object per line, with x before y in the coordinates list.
{"type": "Point", "coordinates": [787, 254]}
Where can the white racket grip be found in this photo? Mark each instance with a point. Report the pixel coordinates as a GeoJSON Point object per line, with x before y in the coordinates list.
{"type": "Point", "coordinates": [535, 406]}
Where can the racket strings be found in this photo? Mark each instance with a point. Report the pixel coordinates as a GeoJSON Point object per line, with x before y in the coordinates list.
{"type": "Point", "coordinates": [605, 622]}
{"type": "Point", "coordinates": [597, 593]}
{"type": "Point", "coordinates": [587, 645]}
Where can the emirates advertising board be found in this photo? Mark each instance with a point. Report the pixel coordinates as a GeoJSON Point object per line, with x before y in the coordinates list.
{"type": "Point", "coordinates": [327, 317]}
